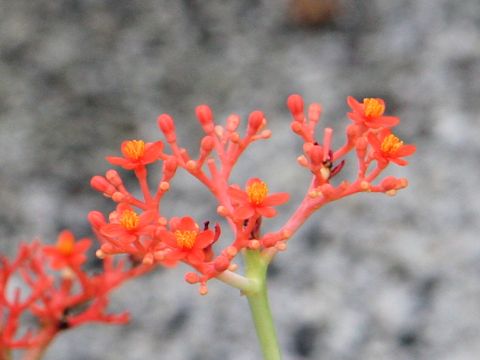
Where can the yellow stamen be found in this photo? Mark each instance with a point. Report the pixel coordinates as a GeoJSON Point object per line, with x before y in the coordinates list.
{"type": "Point", "coordinates": [373, 107]}
{"type": "Point", "coordinates": [134, 149]}
{"type": "Point", "coordinates": [66, 244]}
{"type": "Point", "coordinates": [185, 238]}
{"type": "Point", "coordinates": [257, 191]}
{"type": "Point", "coordinates": [390, 144]}
{"type": "Point", "coordinates": [129, 220]}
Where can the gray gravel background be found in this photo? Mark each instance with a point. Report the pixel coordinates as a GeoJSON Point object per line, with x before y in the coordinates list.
{"type": "Point", "coordinates": [370, 277]}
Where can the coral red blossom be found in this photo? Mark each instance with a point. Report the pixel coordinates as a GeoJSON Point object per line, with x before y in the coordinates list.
{"type": "Point", "coordinates": [137, 153]}
{"type": "Point", "coordinates": [67, 252]}
{"type": "Point", "coordinates": [127, 225]}
{"type": "Point", "coordinates": [255, 200]}
{"type": "Point", "coordinates": [370, 113]}
{"type": "Point", "coordinates": [186, 241]}
{"type": "Point", "coordinates": [387, 147]}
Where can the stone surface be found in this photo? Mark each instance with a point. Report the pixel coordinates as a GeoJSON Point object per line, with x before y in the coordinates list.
{"type": "Point", "coordinates": [370, 277]}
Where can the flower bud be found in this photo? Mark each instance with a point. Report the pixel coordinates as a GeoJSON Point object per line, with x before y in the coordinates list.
{"type": "Point", "coordinates": [205, 116]}
{"type": "Point", "coordinates": [255, 121]}
{"type": "Point", "coordinates": [166, 124]}
{"type": "Point", "coordinates": [295, 104]}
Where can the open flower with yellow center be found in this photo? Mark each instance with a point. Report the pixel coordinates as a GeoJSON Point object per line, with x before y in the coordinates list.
{"type": "Point", "coordinates": [370, 113]}
{"type": "Point", "coordinates": [137, 154]}
{"type": "Point", "coordinates": [387, 147]}
{"type": "Point", "coordinates": [67, 252]}
{"type": "Point", "coordinates": [126, 226]}
{"type": "Point", "coordinates": [134, 149]}
{"type": "Point", "coordinates": [129, 220]}
{"type": "Point", "coordinates": [255, 200]}
{"type": "Point", "coordinates": [186, 241]}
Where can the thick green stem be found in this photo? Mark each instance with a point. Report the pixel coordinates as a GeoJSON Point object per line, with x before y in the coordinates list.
{"type": "Point", "coordinates": [256, 270]}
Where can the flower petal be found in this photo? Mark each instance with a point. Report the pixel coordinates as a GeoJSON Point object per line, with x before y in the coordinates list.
{"type": "Point", "coordinates": [266, 211]}
{"type": "Point", "coordinates": [243, 212]}
{"type": "Point", "coordinates": [276, 199]}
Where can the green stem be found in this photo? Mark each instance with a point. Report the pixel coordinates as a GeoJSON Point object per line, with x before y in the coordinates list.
{"type": "Point", "coordinates": [256, 270]}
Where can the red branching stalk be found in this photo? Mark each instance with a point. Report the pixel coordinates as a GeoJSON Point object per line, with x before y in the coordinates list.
{"type": "Point", "coordinates": [139, 227]}
{"type": "Point", "coordinates": [48, 283]}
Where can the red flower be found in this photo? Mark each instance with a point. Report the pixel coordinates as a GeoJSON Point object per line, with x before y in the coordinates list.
{"type": "Point", "coordinates": [255, 200]}
{"type": "Point", "coordinates": [137, 153]}
{"type": "Point", "coordinates": [370, 113]}
{"type": "Point", "coordinates": [387, 147]}
{"type": "Point", "coordinates": [128, 225]}
{"type": "Point", "coordinates": [67, 252]}
{"type": "Point", "coordinates": [186, 240]}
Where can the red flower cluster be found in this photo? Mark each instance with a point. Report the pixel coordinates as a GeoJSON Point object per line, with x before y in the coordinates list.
{"type": "Point", "coordinates": [139, 227]}
{"type": "Point", "coordinates": [56, 291]}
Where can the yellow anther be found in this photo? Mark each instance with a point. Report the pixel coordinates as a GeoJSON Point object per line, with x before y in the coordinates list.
{"type": "Point", "coordinates": [373, 107]}
{"type": "Point", "coordinates": [129, 220]}
{"type": "Point", "coordinates": [134, 149]}
{"type": "Point", "coordinates": [185, 238]}
{"type": "Point", "coordinates": [257, 191]}
{"type": "Point", "coordinates": [66, 244]}
{"type": "Point", "coordinates": [390, 144]}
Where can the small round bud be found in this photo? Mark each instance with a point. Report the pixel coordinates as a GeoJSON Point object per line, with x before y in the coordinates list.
{"type": "Point", "coordinates": [255, 121]}
{"type": "Point", "coordinates": [221, 263]}
{"type": "Point", "coordinates": [204, 115]}
{"type": "Point", "coordinates": [96, 219]}
{"type": "Point", "coordinates": [295, 104]}
{"type": "Point", "coordinates": [148, 259]}
{"type": "Point", "coordinates": [191, 277]}
{"type": "Point", "coordinates": [164, 186]}
{"type": "Point", "coordinates": [207, 144]}
{"type": "Point", "coordinates": [232, 122]}
{"type": "Point", "coordinates": [191, 165]}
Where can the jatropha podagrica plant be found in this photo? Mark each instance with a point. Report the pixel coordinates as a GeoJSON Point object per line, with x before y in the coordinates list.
{"type": "Point", "coordinates": [140, 228]}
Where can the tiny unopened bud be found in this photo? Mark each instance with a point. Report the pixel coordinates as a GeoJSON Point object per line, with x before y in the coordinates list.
{"type": "Point", "coordinates": [221, 263]}
{"type": "Point", "coordinates": [118, 196]}
{"type": "Point", "coordinates": [255, 121]}
{"type": "Point", "coordinates": [114, 177]}
{"type": "Point", "coordinates": [295, 104]}
{"type": "Point", "coordinates": [148, 259]}
{"type": "Point", "coordinates": [191, 278]}
{"type": "Point", "coordinates": [266, 134]}
{"type": "Point", "coordinates": [162, 221]}
{"type": "Point", "coordinates": [101, 184]}
{"type": "Point", "coordinates": [235, 137]}
{"type": "Point", "coordinates": [166, 124]}
{"type": "Point", "coordinates": [392, 192]}
{"type": "Point", "coordinates": [222, 210]}
{"type": "Point", "coordinates": [96, 219]}
{"type": "Point", "coordinates": [389, 183]}
{"type": "Point", "coordinates": [233, 267]}
{"type": "Point", "coordinates": [364, 185]}
{"type": "Point", "coordinates": [205, 116]}
{"type": "Point", "coordinates": [203, 289]}
{"type": "Point", "coordinates": [100, 254]}
{"type": "Point", "coordinates": [191, 164]}
{"type": "Point", "coordinates": [296, 127]}
{"type": "Point", "coordinates": [164, 186]}
{"type": "Point", "coordinates": [281, 246]}
{"type": "Point", "coordinates": [314, 112]}
{"type": "Point", "coordinates": [207, 143]}
{"type": "Point", "coordinates": [302, 160]}
{"type": "Point", "coordinates": [232, 122]}
{"type": "Point", "coordinates": [254, 244]}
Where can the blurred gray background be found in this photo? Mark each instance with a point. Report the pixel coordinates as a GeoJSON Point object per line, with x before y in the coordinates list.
{"type": "Point", "coordinates": [369, 277]}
